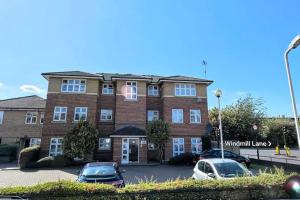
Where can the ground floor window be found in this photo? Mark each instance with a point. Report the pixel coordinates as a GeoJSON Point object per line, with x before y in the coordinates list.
{"type": "Point", "coordinates": [104, 143]}
{"type": "Point", "coordinates": [196, 144]}
{"type": "Point", "coordinates": [34, 142]}
{"type": "Point", "coordinates": [55, 147]}
{"type": "Point", "coordinates": [178, 146]}
{"type": "Point", "coordinates": [152, 146]}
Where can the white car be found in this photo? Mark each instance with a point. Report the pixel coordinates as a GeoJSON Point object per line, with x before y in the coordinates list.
{"type": "Point", "coordinates": [217, 168]}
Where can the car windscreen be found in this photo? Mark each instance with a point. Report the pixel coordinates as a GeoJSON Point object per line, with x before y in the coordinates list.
{"type": "Point", "coordinates": [230, 169]}
{"type": "Point", "coordinates": [100, 172]}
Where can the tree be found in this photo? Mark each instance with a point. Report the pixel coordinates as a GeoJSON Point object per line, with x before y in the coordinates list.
{"type": "Point", "coordinates": [158, 133]}
{"type": "Point", "coordinates": [80, 141]}
{"type": "Point", "coordinates": [238, 118]}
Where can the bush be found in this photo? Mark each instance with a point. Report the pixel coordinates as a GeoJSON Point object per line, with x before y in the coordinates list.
{"type": "Point", "coordinates": [28, 155]}
{"type": "Point", "coordinates": [183, 159]}
{"type": "Point", "coordinates": [52, 162]}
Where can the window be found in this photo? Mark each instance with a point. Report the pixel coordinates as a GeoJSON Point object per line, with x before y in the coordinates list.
{"type": "Point", "coordinates": [60, 113]}
{"type": "Point", "coordinates": [104, 143]}
{"type": "Point", "coordinates": [31, 118]}
{"type": "Point", "coordinates": [106, 115]}
{"type": "Point", "coordinates": [208, 168]}
{"type": "Point", "coordinates": [80, 113]}
{"type": "Point", "coordinates": [107, 89]}
{"type": "Point", "coordinates": [195, 116]}
{"type": "Point", "coordinates": [55, 147]}
{"type": "Point", "coordinates": [42, 118]}
{"type": "Point", "coordinates": [178, 146]}
{"type": "Point", "coordinates": [35, 142]}
{"type": "Point", "coordinates": [185, 90]}
{"type": "Point", "coordinates": [196, 144]}
{"type": "Point", "coordinates": [153, 90]}
{"type": "Point", "coordinates": [201, 166]}
{"type": "Point", "coordinates": [177, 115]}
{"type": "Point", "coordinates": [152, 146]}
{"type": "Point", "coordinates": [131, 90]}
{"type": "Point", "coordinates": [73, 85]}
{"type": "Point", "coordinates": [153, 115]}
{"type": "Point", "coordinates": [1, 116]}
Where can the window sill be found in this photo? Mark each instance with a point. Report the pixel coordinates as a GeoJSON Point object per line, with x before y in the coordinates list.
{"type": "Point", "coordinates": [104, 149]}
{"type": "Point", "coordinates": [107, 94]}
{"type": "Point", "coordinates": [131, 100]}
{"type": "Point", "coordinates": [30, 123]}
{"type": "Point", "coordinates": [195, 123]}
{"type": "Point", "coordinates": [59, 122]}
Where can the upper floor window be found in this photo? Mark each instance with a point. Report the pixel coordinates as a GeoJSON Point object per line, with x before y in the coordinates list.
{"type": "Point", "coordinates": [177, 115]}
{"type": "Point", "coordinates": [106, 115]}
{"type": "Point", "coordinates": [1, 116]}
{"type": "Point", "coordinates": [153, 90]}
{"type": "Point", "coordinates": [131, 90]}
{"type": "Point", "coordinates": [185, 89]}
{"type": "Point", "coordinates": [153, 115]}
{"type": "Point", "coordinates": [31, 118]}
{"type": "Point", "coordinates": [73, 85]}
{"type": "Point", "coordinates": [107, 89]}
{"type": "Point", "coordinates": [80, 113]}
{"type": "Point", "coordinates": [42, 118]}
{"type": "Point", "coordinates": [60, 113]}
{"type": "Point", "coordinates": [195, 116]}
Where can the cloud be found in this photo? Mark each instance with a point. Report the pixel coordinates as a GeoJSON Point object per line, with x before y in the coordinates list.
{"type": "Point", "coordinates": [31, 89]}
{"type": "Point", "coordinates": [1, 84]}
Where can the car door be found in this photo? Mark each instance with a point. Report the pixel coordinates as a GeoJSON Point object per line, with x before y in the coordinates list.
{"type": "Point", "coordinates": [199, 171]}
{"type": "Point", "coordinates": [208, 169]}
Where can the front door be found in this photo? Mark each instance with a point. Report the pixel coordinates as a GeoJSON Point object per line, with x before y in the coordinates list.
{"type": "Point", "coordinates": [130, 150]}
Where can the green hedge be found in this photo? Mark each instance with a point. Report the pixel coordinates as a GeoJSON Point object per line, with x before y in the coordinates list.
{"type": "Point", "coordinates": [264, 186]}
{"type": "Point", "coordinates": [28, 156]}
{"type": "Point", "coordinates": [52, 162]}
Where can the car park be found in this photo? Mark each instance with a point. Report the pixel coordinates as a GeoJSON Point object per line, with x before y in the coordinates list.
{"type": "Point", "coordinates": [102, 172]}
{"type": "Point", "coordinates": [219, 169]}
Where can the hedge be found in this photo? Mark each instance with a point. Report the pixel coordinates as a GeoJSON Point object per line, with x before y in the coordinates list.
{"type": "Point", "coordinates": [264, 186]}
{"type": "Point", "coordinates": [28, 156]}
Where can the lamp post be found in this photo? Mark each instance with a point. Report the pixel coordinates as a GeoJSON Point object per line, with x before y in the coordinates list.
{"type": "Point", "coordinates": [218, 94]}
{"type": "Point", "coordinates": [256, 132]}
{"type": "Point", "coordinates": [294, 44]}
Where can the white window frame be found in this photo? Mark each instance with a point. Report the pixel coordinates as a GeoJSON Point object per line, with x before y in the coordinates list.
{"type": "Point", "coordinates": [179, 142]}
{"type": "Point", "coordinates": [104, 143]}
{"type": "Point", "coordinates": [175, 116]}
{"type": "Point", "coordinates": [80, 113]}
{"type": "Point", "coordinates": [107, 88]}
{"type": "Point", "coordinates": [35, 142]}
{"type": "Point", "coordinates": [32, 115]}
{"type": "Point", "coordinates": [1, 116]}
{"type": "Point", "coordinates": [104, 113]}
{"type": "Point", "coordinates": [71, 83]}
{"type": "Point", "coordinates": [185, 90]}
{"type": "Point", "coordinates": [152, 146]}
{"type": "Point", "coordinates": [60, 113]}
{"type": "Point", "coordinates": [197, 143]}
{"type": "Point", "coordinates": [56, 142]}
{"type": "Point", "coordinates": [151, 114]}
{"type": "Point", "coordinates": [152, 91]}
{"type": "Point", "coordinates": [194, 113]}
{"type": "Point", "coordinates": [131, 95]}
{"type": "Point", "coordinates": [42, 118]}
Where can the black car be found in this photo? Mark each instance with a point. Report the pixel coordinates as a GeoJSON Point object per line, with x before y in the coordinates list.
{"type": "Point", "coordinates": [102, 172]}
{"type": "Point", "coordinates": [216, 153]}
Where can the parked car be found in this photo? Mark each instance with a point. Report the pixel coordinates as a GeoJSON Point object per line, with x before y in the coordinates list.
{"type": "Point", "coordinates": [102, 172]}
{"type": "Point", "coordinates": [216, 153]}
{"type": "Point", "coordinates": [216, 168]}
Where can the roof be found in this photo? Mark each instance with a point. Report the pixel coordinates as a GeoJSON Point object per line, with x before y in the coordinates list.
{"type": "Point", "coordinates": [71, 73]}
{"type": "Point", "coordinates": [219, 160]}
{"type": "Point", "coordinates": [183, 78]}
{"type": "Point", "coordinates": [27, 102]}
{"type": "Point", "coordinates": [130, 130]}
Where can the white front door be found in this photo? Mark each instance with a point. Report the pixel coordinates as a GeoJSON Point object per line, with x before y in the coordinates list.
{"type": "Point", "coordinates": [130, 150]}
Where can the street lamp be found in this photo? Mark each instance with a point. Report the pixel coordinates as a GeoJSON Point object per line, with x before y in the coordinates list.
{"type": "Point", "coordinates": [294, 44]}
{"type": "Point", "coordinates": [218, 94]}
{"type": "Point", "coordinates": [255, 130]}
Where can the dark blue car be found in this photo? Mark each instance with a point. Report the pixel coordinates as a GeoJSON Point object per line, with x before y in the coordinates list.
{"type": "Point", "coordinates": [101, 172]}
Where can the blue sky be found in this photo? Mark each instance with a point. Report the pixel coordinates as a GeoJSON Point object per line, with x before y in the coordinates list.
{"type": "Point", "coordinates": [242, 41]}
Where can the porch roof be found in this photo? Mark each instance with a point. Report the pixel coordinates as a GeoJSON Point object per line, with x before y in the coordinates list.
{"type": "Point", "coordinates": [129, 131]}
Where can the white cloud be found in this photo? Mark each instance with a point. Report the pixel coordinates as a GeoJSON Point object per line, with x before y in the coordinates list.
{"type": "Point", "coordinates": [31, 89]}
{"type": "Point", "coordinates": [1, 84]}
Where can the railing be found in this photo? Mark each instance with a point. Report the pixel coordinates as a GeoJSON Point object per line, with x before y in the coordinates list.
{"type": "Point", "coordinates": [273, 159]}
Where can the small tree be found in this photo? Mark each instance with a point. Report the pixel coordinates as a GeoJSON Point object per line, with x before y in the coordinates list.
{"type": "Point", "coordinates": [80, 141]}
{"type": "Point", "coordinates": [158, 133]}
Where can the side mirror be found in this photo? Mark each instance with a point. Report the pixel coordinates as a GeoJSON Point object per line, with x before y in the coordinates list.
{"type": "Point", "coordinates": [212, 175]}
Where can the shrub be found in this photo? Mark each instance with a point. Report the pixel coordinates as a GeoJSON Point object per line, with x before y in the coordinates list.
{"type": "Point", "coordinates": [9, 150]}
{"type": "Point", "coordinates": [53, 162]}
{"type": "Point", "coordinates": [183, 159]}
{"type": "Point", "coordinates": [28, 155]}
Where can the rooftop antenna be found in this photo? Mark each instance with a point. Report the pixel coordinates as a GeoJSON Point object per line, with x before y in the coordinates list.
{"type": "Point", "coordinates": [204, 63]}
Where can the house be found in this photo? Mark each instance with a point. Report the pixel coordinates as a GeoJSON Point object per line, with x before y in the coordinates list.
{"type": "Point", "coordinates": [120, 105]}
{"type": "Point", "coordinates": [21, 120]}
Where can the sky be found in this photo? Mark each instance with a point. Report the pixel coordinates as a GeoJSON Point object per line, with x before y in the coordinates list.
{"type": "Point", "coordinates": [242, 42]}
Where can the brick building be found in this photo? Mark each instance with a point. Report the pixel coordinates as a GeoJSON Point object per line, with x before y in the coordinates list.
{"type": "Point", "coordinates": [120, 105]}
{"type": "Point", "coordinates": [21, 120]}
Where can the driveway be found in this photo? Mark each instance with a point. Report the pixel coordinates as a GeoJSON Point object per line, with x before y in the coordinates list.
{"type": "Point", "coordinates": [14, 177]}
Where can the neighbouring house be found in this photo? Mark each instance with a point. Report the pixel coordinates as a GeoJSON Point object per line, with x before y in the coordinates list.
{"type": "Point", "coordinates": [21, 120]}
{"type": "Point", "coordinates": [120, 105]}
